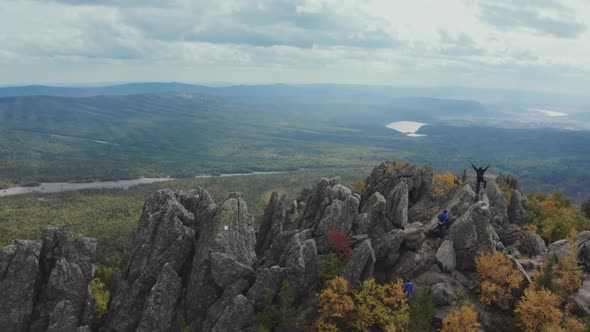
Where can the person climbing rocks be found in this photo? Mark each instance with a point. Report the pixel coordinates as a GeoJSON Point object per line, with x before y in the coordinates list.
{"type": "Point", "coordinates": [443, 223]}
{"type": "Point", "coordinates": [408, 289]}
{"type": "Point", "coordinates": [480, 171]}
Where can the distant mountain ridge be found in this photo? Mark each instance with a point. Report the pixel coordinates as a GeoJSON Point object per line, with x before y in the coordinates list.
{"type": "Point", "coordinates": [304, 92]}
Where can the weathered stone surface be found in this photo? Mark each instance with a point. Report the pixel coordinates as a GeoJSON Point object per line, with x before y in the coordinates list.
{"type": "Point", "coordinates": [63, 318]}
{"type": "Point", "coordinates": [19, 266]}
{"type": "Point", "coordinates": [472, 233]}
{"type": "Point", "coordinates": [413, 263]}
{"type": "Point", "coordinates": [442, 294]}
{"type": "Point", "coordinates": [387, 247]}
{"type": "Point", "coordinates": [238, 317]}
{"type": "Point", "coordinates": [163, 236]}
{"type": "Point", "coordinates": [226, 269]}
{"type": "Point", "coordinates": [267, 285]}
{"type": "Point", "coordinates": [65, 270]}
{"type": "Point", "coordinates": [582, 298]}
{"type": "Point", "coordinates": [217, 309]}
{"type": "Point", "coordinates": [360, 265]}
{"type": "Point", "coordinates": [445, 256]}
{"type": "Point", "coordinates": [583, 243]}
{"type": "Point", "coordinates": [516, 212]}
{"type": "Point", "coordinates": [272, 223]}
{"type": "Point", "coordinates": [159, 311]}
{"type": "Point", "coordinates": [498, 206]}
{"type": "Point", "coordinates": [559, 249]}
{"type": "Point", "coordinates": [338, 215]}
{"type": "Point", "coordinates": [460, 202]}
{"type": "Point", "coordinates": [341, 192]}
{"type": "Point", "coordinates": [532, 244]}
{"type": "Point", "coordinates": [414, 235]}
{"type": "Point", "coordinates": [229, 231]}
{"type": "Point", "coordinates": [396, 207]}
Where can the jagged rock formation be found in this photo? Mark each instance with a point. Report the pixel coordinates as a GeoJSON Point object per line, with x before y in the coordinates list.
{"type": "Point", "coordinates": [44, 284]}
{"type": "Point", "coordinates": [204, 261]}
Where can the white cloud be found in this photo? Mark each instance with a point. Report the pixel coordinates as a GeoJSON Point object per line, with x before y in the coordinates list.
{"type": "Point", "coordinates": [536, 44]}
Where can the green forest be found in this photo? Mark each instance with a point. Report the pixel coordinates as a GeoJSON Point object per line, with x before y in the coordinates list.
{"type": "Point", "coordinates": [49, 139]}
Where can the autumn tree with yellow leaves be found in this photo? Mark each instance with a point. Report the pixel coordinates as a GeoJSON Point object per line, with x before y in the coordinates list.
{"type": "Point", "coordinates": [538, 308]}
{"type": "Point", "coordinates": [497, 278]}
{"type": "Point", "coordinates": [568, 274]}
{"type": "Point", "coordinates": [370, 305]}
{"type": "Point", "coordinates": [461, 319]}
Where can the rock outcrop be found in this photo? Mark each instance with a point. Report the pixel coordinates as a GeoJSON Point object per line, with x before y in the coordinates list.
{"type": "Point", "coordinates": [44, 284]}
{"type": "Point", "coordinates": [196, 261]}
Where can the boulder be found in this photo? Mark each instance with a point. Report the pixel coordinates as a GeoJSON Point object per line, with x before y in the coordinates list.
{"type": "Point", "coordinates": [560, 248]}
{"type": "Point", "coordinates": [66, 269]}
{"type": "Point", "coordinates": [271, 224]}
{"type": "Point", "coordinates": [396, 207]}
{"type": "Point", "coordinates": [460, 202]}
{"type": "Point", "coordinates": [516, 211]}
{"type": "Point", "coordinates": [239, 316]}
{"type": "Point", "coordinates": [443, 294]}
{"type": "Point", "coordinates": [498, 206]}
{"type": "Point", "coordinates": [159, 311]}
{"type": "Point", "coordinates": [230, 231]}
{"type": "Point", "coordinates": [413, 263]}
{"type": "Point", "coordinates": [472, 233]}
{"type": "Point", "coordinates": [532, 244]}
{"type": "Point", "coordinates": [583, 243]}
{"type": "Point", "coordinates": [226, 269]}
{"type": "Point", "coordinates": [19, 266]}
{"type": "Point", "coordinates": [414, 235]}
{"type": "Point", "coordinates": [217, 309]}
{"type": "Point", "coordinates": [267, 285]}
{"type": "Point", "coordinates": [445, 256]}
{"type": "Point", "coordinates": [361, 264]}
{"type": "Point", "coordinates": [387, 247]}
{"type": "Point", "coordinates": [163, 236]}
{"type": "Point", "coordinates": [338, 215]}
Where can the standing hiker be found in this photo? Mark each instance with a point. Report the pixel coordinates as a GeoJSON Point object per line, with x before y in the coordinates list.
{"type": "Point", "coordinates": [480, 171]}
{"type": "Point", "coordinates": [443, 223]}
{"type": "Point", "coordinates": [408, 289]}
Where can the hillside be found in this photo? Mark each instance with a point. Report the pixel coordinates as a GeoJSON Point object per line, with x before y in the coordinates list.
{"type": "Point", "coordinates": [180, 134]}
{"type": "Point", "coordinates": [198, 265]}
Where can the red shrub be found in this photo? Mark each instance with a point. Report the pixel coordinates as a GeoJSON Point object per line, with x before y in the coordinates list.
{"type": "Point", "coordinates": [339, 244]}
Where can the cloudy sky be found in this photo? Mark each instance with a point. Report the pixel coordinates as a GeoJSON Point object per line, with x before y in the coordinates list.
{"type": "Point", "coordinates": [525, 44]}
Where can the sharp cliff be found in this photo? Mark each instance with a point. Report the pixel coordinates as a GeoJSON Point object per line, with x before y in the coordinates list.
{"type": "Point", "coordinates": [205, 262]}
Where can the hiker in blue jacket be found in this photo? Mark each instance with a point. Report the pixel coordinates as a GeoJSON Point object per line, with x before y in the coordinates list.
{"type": "Point", "coordinates": [408, 289]}
{"type": "Point", "coordinates": [443, 223]}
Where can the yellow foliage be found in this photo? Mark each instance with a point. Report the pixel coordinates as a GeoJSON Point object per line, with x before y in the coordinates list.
{"type": "Point", "coordinates": [389, 169]}
{"type": "Point", "coordinates": [537, 309]}
{"type": "Point", "coordinates": [335, 302]}
{"type": "Point", "coordinates": [505, 189]}
{"type": "Point", "coordinates": [463, 319]}
{"type": "Point", "coordinates": [359, 186]}
{"type": "Point", "coordinates": [371, 305]}
{"type": "Point", "coordinates": [573, 324]}
{"type": "Point", "coordinates": [447, 180]}
{"type": "Point", "coordinates": [323, 326]}
{"type": "Point", "coordinates": [497, 277]}
{"type": "Point", "coordinates": [568, 274]}
{"type": "Point", "coordinates": [438, 193]}
{"type": "Point", "coordinates": [100, 295]}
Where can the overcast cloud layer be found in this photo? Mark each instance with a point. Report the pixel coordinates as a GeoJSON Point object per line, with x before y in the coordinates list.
{"type": "Point", "coordinates": [524, 44]}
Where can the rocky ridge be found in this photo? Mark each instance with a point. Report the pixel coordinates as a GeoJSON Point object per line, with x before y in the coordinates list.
{"type": "Point", "coordinates": [204, 261]}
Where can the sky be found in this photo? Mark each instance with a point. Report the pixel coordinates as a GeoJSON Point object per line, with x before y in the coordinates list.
{"type": "Point", "coordinates": [541, 45]}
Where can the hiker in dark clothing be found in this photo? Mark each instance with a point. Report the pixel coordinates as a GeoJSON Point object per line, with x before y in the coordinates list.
{"type": "Point", "coordinates": [443, 223]}
{"type": "Point", "coordinates": [480, 171]}
{"type": "Point", "coordinates": [408, 289]}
